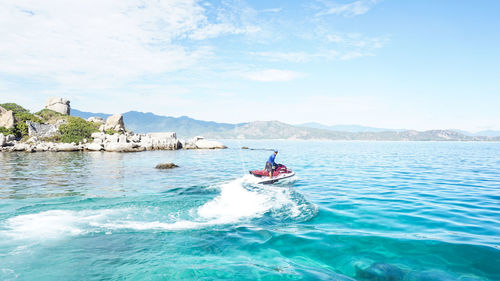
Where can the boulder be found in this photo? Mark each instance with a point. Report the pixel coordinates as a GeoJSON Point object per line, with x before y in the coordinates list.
{"type": "Point", "coordinates": [163, 135]}
{"type": "Point", "coordinates": [44, 146]}
{"type": "Point", "coordinates": [98, 120]}
{"type": "Point", "coordinates": [6, 118]}
{"type": "Point", "coordinates": [201, 143]}
{"type": "Point", "coordinates": [3, 140]}
{"type": "Point", "coordinates": [122, 147]}
{"type": "Point", "coordinates": [66, 147]}
{"type": "Point", "coordinates": [93, 146]}
{"type": "Point", "coordinates": [122, 139]}
{"type": "Point", "coordinates": [58, 104]}
{"type": "Point", "coordinates": [41, 130]}
{"type": "Point", "coordinates": [10, 138]}
{"type": "Point", "coordinates": [166, 166]}
{"type": "Point", "coordinates": [98, 136]}
{"type": "Point", "coordinates": [32, 140]}
{"type": "Point", "coordinates": [160, 141]}
{"type": "Point", "coordinates": [209, 144]}
{"type": "Point", "coordinates": [112, 138]}
{"type": "Point", "coordinates": [22, 147]}
{"type": "Point", "coordinates": [135, 138]}
{"type": "Point", "coordinates": [115, 122]}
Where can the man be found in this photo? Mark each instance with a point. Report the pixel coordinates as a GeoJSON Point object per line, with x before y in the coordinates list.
{"type": "Point", "coordinates": [270, 163]}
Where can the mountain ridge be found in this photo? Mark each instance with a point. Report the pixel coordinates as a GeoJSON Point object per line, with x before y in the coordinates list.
{"type": "Point", "coordinates": [141, 122]}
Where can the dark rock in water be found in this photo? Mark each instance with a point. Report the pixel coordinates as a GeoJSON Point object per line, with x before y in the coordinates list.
{"type": "Point", "coordinates": [244, 147]}
{"type": "Point", "coordinates": [166, 166]}
{"type": "Point", "coordinates": [381, 272]}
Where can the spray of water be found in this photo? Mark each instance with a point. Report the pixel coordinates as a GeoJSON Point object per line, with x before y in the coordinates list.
{"type": "Point", "coordinates": [239, 200]}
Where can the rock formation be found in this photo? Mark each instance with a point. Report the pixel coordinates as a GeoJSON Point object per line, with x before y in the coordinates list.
{"type": "Point", "coordinates": [129, 142]}
{"type": "Point", "coordinates": [201, 143]}
{"type": "Point", "coordinates": [98, 120]}
{"type": "Point", "coordinates": [59, 105]}
{"type": "Point", "coordinates": [6, 118]}
{"type": "Point", "coordinates": [41, 130]}
{"type": "Point", "coordinates": [112, 137]}
{"type": "Point", "coordinates": [115, 122]}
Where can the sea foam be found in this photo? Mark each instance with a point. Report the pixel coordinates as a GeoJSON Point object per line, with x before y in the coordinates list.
{"type": "Point", "coordinates": [238, 200]}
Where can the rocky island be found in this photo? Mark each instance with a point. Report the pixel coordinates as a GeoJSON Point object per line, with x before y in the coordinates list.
{"type": "Point", "coordinates": [53, 129]}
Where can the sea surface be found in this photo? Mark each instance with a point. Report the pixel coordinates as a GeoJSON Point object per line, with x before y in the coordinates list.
{"type": "Point", "coordinates": [354, 211]}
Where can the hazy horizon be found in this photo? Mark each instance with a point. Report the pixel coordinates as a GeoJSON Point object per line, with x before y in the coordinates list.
{"type": "Point", "coordinates": [295, 124]}
{"type": "Point", "coordinates": [418, 65]}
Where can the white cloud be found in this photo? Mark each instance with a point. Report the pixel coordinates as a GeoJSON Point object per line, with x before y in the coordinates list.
{"type": "Point", "coordinates": [353, 55]}
{"type": "Point", "coordinates": [104, 43]}
{"type": "Point", "coordinates": [272, 75]}
{"type": "Point", "coordinates": [272, 10]}
{"type": "Point", "coordinates": [336, 46]}
{"type": "Point", "coordinates": [335, 38]}
{"type": "Point", "coordinates": [348, 10]}
{"type": "Point", "coordinates": [215, 30]}
{"type": "Point", "coordinates": [285, 56]}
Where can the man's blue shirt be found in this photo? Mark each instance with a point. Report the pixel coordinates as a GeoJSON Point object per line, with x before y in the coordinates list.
{"type": "Point", "coordinates": [271, 159]}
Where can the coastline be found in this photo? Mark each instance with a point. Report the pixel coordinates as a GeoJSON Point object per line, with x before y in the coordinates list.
{"type": "Point", "coordinates": [127, 142]}
{"type": "Point", "coordinates": [53, 129]}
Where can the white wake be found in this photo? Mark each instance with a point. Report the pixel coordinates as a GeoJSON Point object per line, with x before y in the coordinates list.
{"type": "Point", "coordinates": [238, 201]}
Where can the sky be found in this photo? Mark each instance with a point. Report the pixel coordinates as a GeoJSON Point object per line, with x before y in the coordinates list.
{"type": "Point", "coordinates": [384, 63]}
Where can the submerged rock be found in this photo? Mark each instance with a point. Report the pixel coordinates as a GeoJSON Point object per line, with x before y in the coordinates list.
{"type": "Point", "coordinates": [58, 105]}
{"type": "Point", "coordinates": [381, 272]}
{"type": "Point", "coordinates": [166, 166]}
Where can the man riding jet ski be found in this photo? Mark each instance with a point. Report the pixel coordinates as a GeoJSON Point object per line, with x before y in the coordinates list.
{"type": "Point", "coordinates": [274, 171]}
{"type": "Point", "coordinates": [270, 164]}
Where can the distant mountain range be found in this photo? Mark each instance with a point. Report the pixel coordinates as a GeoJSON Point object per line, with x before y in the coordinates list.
{"type": "Point", "coordinates": [184, 126]}
{"type": "Point", "coordinates": [347, 128]}
{"type": "Point", "coordinates": [187, 127]}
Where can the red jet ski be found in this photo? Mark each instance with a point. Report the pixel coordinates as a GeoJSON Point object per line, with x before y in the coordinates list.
{"type": "Point", "coordinates": [280, 172]}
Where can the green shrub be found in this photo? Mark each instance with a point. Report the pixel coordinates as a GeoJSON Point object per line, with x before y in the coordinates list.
{"type": "Point", "coordinates": [54, 138]}
{"type": "Point", "coordinates": [21, 129]}
{"type": "Point", "coordinates": [77, 129]}
{"type": "Point", "coordinates": [21, 115]}
{"type": "Point", "coordinates": [49, 114]}
{"type": "Point", "coordinates": [16, 109]}
{"type": "Point", "coordinates": [6, 131]}
{"type": "Point", "coordinates": [111, 132]}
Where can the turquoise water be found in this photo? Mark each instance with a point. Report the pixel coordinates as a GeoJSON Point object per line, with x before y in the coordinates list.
{"type": "Point", "coordinates": [355, 211]}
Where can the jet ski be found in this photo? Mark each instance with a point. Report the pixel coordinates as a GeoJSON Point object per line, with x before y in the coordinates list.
{"type": "Point", "coordinates": [280, 172]}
